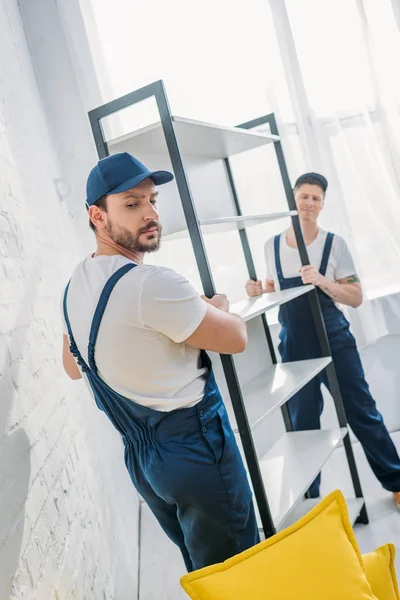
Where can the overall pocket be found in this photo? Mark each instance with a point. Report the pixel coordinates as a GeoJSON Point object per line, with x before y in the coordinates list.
{"type": "Point", "coordinates": [213, 433]}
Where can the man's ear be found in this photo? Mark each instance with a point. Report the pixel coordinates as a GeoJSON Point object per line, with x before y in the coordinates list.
{"type": "Point", "coordinates": [97, 216]}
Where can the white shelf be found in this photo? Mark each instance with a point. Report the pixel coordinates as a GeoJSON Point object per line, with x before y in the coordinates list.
{"type": "Point", "coordinates": [195, 138]}
{"type": "Point", "coordinates": [254, 307]}
{"type": "Point", "coordinates": [233, 223]}
{"type": "Point", "coordinates": [291, 465]}
{"type": "Point", "coordinates": [354, 506]}
{"type": "Point", "coordinates": [236, 222]}
{"type": "Point", "coordinates": [274, 386]}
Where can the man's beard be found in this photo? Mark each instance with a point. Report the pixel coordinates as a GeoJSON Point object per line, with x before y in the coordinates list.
{"type": "Point", "coordinates": [132, 242]}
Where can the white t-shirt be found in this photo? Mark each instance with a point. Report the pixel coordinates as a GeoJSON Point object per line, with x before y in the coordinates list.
{"type": "Point", "coordinates": [139, 349]}
{"type": "Point", "coordinates": [340, 263]}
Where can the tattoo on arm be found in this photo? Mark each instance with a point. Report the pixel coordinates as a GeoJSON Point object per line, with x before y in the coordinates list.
{"type": "Point", "coordinates": [328, 292]}
{"type": "Point", "coordinates": [353, 279]}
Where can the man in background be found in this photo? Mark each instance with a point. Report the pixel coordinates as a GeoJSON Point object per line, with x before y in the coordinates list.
{"type": "Point", "coordinates": [333, 273]}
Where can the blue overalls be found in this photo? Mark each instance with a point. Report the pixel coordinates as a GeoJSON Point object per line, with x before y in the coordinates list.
{"type": "Point", "coordinates": [298, 341]}
{"type": "Point", "coordinates": [184, 463]}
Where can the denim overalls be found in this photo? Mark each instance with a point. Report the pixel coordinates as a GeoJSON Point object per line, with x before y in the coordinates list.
{"type": "Point", "coordinates": [184, 463]}
{"type": "Point", "coordinates": [298, 341]}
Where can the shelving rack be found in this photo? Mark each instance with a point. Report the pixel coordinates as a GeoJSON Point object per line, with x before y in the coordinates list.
{"type": "Point", "coordinates": [280, 477]}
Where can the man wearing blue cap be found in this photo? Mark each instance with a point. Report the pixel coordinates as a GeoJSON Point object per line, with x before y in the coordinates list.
{"type": "Point", "coordinates": [138, 334]}
{"type": "Point", "coordinates": [333, 273]}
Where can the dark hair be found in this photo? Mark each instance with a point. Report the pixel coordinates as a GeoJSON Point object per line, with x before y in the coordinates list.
{"type": "Point", "coordinates": [101, 203]}
{"type": "Point", "coordinates": [312, 179]}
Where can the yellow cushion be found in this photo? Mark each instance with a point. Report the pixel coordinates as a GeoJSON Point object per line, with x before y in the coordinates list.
{"type": "Point", "coordinates": [381, 574]}
{"type": "Point", "coordinates": [317, 558]}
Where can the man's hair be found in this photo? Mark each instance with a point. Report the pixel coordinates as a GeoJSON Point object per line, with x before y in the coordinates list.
{"type": "Point", "coordinates": [101, 203]}
{"type": "Point", "coordinates": [312, 179]}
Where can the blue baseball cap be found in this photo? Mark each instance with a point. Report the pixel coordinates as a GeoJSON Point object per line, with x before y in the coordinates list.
{"type": "Point", "coordinates": [119, 173]}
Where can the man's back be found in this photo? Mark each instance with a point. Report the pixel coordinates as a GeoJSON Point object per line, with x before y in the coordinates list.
{"type": "Point", "coordinates": [139, 350]}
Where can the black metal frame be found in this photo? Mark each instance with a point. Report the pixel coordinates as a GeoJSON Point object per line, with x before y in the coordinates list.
{"type": "Point", "coordinates": [253, 275]}
{"type": "Point", "coordinates": [315, 309]}
{"type": "Point", "coordinates": [157, 90]}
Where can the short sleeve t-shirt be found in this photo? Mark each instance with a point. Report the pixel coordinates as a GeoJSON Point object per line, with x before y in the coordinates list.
{"type": "Point", "coordinates": [140, 351]}
{"type": "Point", "coordinates": [340, 263]}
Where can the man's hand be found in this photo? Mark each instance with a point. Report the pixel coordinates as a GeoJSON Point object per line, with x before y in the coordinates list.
{"type": "Point", "coordinates": [254, 288]}
{"type": "Point", "coordinates": [311, 276]}
{"type": "Point", "coordinates": [219, 301]}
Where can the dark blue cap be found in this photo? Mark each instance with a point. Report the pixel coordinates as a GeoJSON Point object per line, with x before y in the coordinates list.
{"type": "Point", "coordinates": [314, 178]}
{"type": "Point", "coordinates": [119, 173]}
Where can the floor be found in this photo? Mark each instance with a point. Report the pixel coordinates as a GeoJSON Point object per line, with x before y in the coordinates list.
{"type": "Point", "coordinates": [161, 565]}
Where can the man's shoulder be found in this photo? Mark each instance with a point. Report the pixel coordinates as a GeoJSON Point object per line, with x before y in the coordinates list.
{"type": "Point", "coordinates": [325, 232]}
{"type": "Point", "coordinates": [338, 242]}
{"type": "Point", "coordinates": [153, 279]}
{"type": "Point", "coordinates": [95, 272]}
{"type": "Point", "coordinates": [158, 272]}
{"type": "Point", "coordinates": [269, 244]}
{"type": "Point", "coordinates": [108, 265]}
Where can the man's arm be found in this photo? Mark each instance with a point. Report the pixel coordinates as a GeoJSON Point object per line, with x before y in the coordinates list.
{"type": "Point", "coordinates": [69, 362]}
{"type": "Point", "coordinates": [346, 291]}
{"type": "Point", "coordinates": [170, 305]}
{"type": "Point", "coordinates": [219, 331]}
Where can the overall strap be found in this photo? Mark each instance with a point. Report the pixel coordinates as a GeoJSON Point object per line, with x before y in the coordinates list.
{"type": "Point", "coordinates": [326, 253]}
{"type": "Point", "coordinates": [101, 306]}
{"type": "Point", "coordinates": [277, 253]}
{"type": "Point", "coordinates": [73, 347]}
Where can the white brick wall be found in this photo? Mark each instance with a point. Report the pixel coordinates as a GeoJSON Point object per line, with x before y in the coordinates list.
{"type": "Point", "coordinates": [68, 512]}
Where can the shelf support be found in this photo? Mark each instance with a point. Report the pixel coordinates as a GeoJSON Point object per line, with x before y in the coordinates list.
{"type": "Point", "coordinates": [251, 269]}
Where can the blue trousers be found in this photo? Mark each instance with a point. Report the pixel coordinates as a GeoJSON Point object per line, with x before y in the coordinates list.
{"type": "Point", "coordinates": [363, 417]}
{"type": "Point", "coordinates": [187, 467]}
